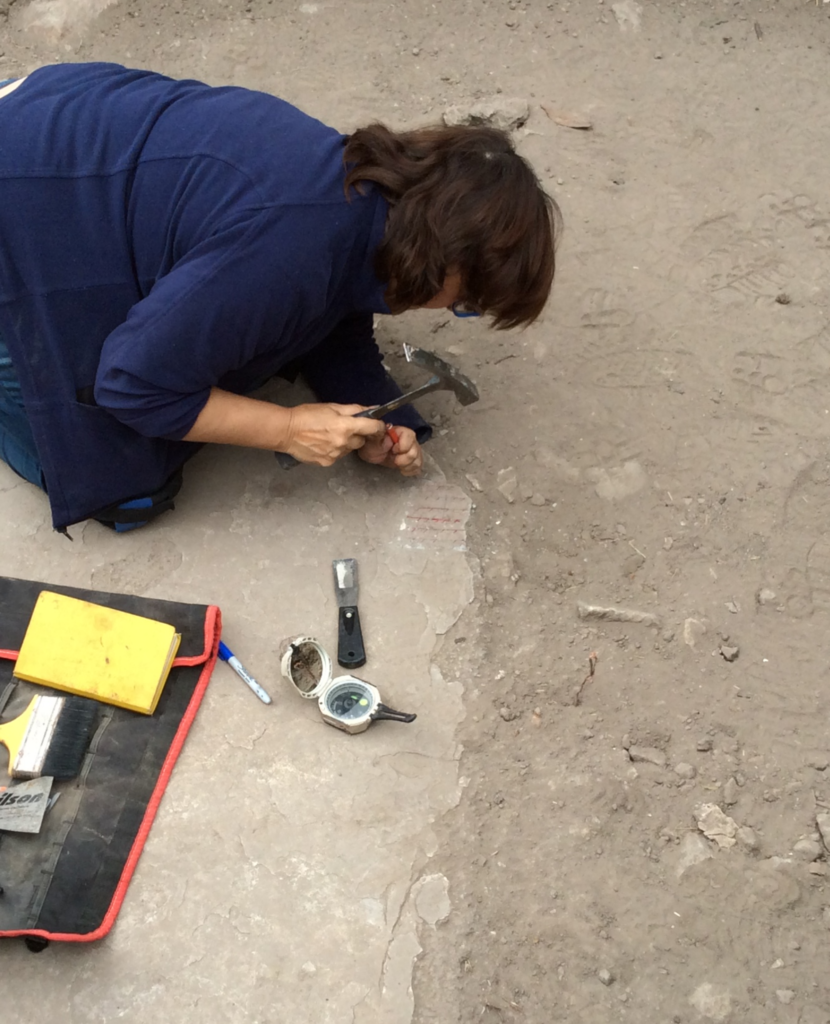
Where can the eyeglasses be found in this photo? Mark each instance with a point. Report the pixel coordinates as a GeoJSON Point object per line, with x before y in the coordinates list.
{"type": "Point", "coordinates": [464, 310]}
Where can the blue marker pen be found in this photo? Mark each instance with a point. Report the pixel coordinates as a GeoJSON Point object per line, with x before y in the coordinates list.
{"type": "Point", "coordinates": [226, 654]}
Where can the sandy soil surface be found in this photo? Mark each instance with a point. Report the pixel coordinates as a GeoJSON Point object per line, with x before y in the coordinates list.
{"type": "Point", "coordinates": [659, 444]}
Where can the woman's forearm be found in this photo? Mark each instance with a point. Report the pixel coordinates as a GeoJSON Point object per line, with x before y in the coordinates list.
{"type": "Point", "coordinates": [227, 418]}
{"type": "Point", "coordinates": [317, 433]}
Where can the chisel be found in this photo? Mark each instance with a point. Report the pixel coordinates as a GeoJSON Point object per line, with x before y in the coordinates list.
{"type": "Point", "coordinates": [350, 650]}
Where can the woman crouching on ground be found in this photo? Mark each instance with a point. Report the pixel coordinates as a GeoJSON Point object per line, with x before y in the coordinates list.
{"type": "Point", "coordinates": [166, 247]}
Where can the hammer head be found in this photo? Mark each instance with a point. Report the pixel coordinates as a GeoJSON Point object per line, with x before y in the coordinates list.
{"type": "Point", "coordinates": [452, 380]}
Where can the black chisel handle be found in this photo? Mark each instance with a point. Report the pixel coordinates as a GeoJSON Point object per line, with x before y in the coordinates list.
{"type": "Point", "coordinates": [350, 650]}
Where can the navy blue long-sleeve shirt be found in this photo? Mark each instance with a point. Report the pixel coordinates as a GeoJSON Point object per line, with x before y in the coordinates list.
{"type": "Point", "coordinates": [161, 237]}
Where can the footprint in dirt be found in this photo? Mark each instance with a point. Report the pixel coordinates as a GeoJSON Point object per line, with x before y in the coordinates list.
{"type": "Point", "coordinates": [138, 573]}
{"type": "Point", "coordinates": [802, 543]}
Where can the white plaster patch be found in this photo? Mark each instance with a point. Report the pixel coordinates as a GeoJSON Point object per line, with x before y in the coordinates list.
{"type": "Point", "coordinates": [712, 1001]}
{"type": "Point", "coordinates": [628, 15]}
{"type": "Point", "coordinates": [54, 19]}
{"type": "Point", "coordinates": [618, 482]}
{"type": "Point", "coordinates": [432, 899]}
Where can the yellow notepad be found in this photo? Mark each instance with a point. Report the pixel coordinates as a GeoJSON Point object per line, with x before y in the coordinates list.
{"type": "Point", "coordinates": [97, 652]}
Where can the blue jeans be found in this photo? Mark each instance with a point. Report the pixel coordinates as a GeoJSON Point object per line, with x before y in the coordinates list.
{"type": "Point", "coordinates": [17, 443]}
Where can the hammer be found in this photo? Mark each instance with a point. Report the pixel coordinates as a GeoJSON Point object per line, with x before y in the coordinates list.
{"type": "Point", "coordinates": [444, 378]}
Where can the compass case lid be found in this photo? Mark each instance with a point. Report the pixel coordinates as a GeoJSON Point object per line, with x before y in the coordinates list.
{"type": "Point", "coordinates": [306, 664]}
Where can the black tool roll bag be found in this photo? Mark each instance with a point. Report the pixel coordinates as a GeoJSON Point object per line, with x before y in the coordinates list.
{"type": "Point", "coordinates": [68, 881]}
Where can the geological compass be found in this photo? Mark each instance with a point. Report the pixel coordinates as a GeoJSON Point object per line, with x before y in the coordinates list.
{"type": "Point", "coordinates": [346, 702]}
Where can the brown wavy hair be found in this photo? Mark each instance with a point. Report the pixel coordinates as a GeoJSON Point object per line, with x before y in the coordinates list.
{"type": "Point", "coordinates": [460, 200]}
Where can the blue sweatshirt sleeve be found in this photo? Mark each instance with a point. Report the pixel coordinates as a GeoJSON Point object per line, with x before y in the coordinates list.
{"type": "Point", "coordinates": [347, 367]}
{"type": "Point", "coordinates": [230, 300]}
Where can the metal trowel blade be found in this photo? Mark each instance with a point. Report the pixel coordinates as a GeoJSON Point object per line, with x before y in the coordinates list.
{"type": "Point", "coordinates": [345, 581]}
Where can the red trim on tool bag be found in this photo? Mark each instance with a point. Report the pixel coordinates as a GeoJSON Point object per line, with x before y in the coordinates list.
{"type": "Point", "coordinates": [193, 659]}
{"type": "Point", "coordinates": [211, 639]}
{"type": "Point", "coordinates": [213, 630]}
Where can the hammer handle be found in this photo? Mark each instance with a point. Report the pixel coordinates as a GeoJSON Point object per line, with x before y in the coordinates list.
{"type": "Point", "coordinates": [433, 384]}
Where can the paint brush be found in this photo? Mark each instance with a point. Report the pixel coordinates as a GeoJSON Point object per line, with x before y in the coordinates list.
{"type": "Point", "coordinates": [50, 737]}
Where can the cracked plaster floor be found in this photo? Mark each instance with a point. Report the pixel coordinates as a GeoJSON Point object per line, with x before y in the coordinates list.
{"type": "Point", "coordinates": [287, 873]}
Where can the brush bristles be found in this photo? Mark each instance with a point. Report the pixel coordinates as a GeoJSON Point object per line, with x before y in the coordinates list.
{"type": "Point", "coordinates": [69, 744]}
{"type": "Point", "coordinates": [56, 738]}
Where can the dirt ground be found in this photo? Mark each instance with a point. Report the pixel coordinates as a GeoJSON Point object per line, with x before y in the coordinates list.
{"type": "Point", "coordinates": [658, 443]}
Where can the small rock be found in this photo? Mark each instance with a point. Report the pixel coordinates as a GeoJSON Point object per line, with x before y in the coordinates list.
{"type": "Point", "coordinates": [705, 745]}
{"type": "Point", "coordinates": [748, 839]}
{"type": "Point", "coordinates": [508, 714]}
{"type": "Point", "coordinates": [817, 868]}
{"type": "Point", "coordinates": [693, 850]}
{"type": "Point", "coordinates": [733, 606]}
{"type": "Point", "coordinates": [728, 744]}
{"type": "Point", "coordinates": [685, 771]}
{"type": "Point", "coordinates": [818, 762]}
{"type": "Point", "coordinates": [632, 563]}
{"type": "Point", "coordinates": [730, 793]}
{"type": "Point", "coordinates": [507, 483]}
{"type": "Point", "coordinates": [668, 636]}
{"type": "Point", "coordinates": [807, 850]}
{"type": "Point", "coordinates": [471, 480]}
{"type": "Point", "coordinates": [648, 755]}
{"type": "Point", "coordinates": [308, 969]}
{"type": "Point", "coordinates": [626, 742]}
{"type": "Point", "coordinates": [785, 995]}
{"type": "Point", "coordinates": [538, 500]}
{"type": "Point", "coordinates": [668, 543]}
{"type": "Point", "coordinates": [525, 492]}
{"type": "Point", "coordinates": [716, 825]}
{"type": "Point", "coordinates": [766, 596]}
{"type": "Point", "coordinates": [416, 51]}
{"type": "Point", "coordinates": [729, 653]}
{"type": "Point", "coordinates": [502, 112]}
{"type": "Point", "coordinates": [776, 965]}
{"type": "Point", "coordinates": [605, 976]}
{"type": "Point", "coordinates": [823, 822]}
